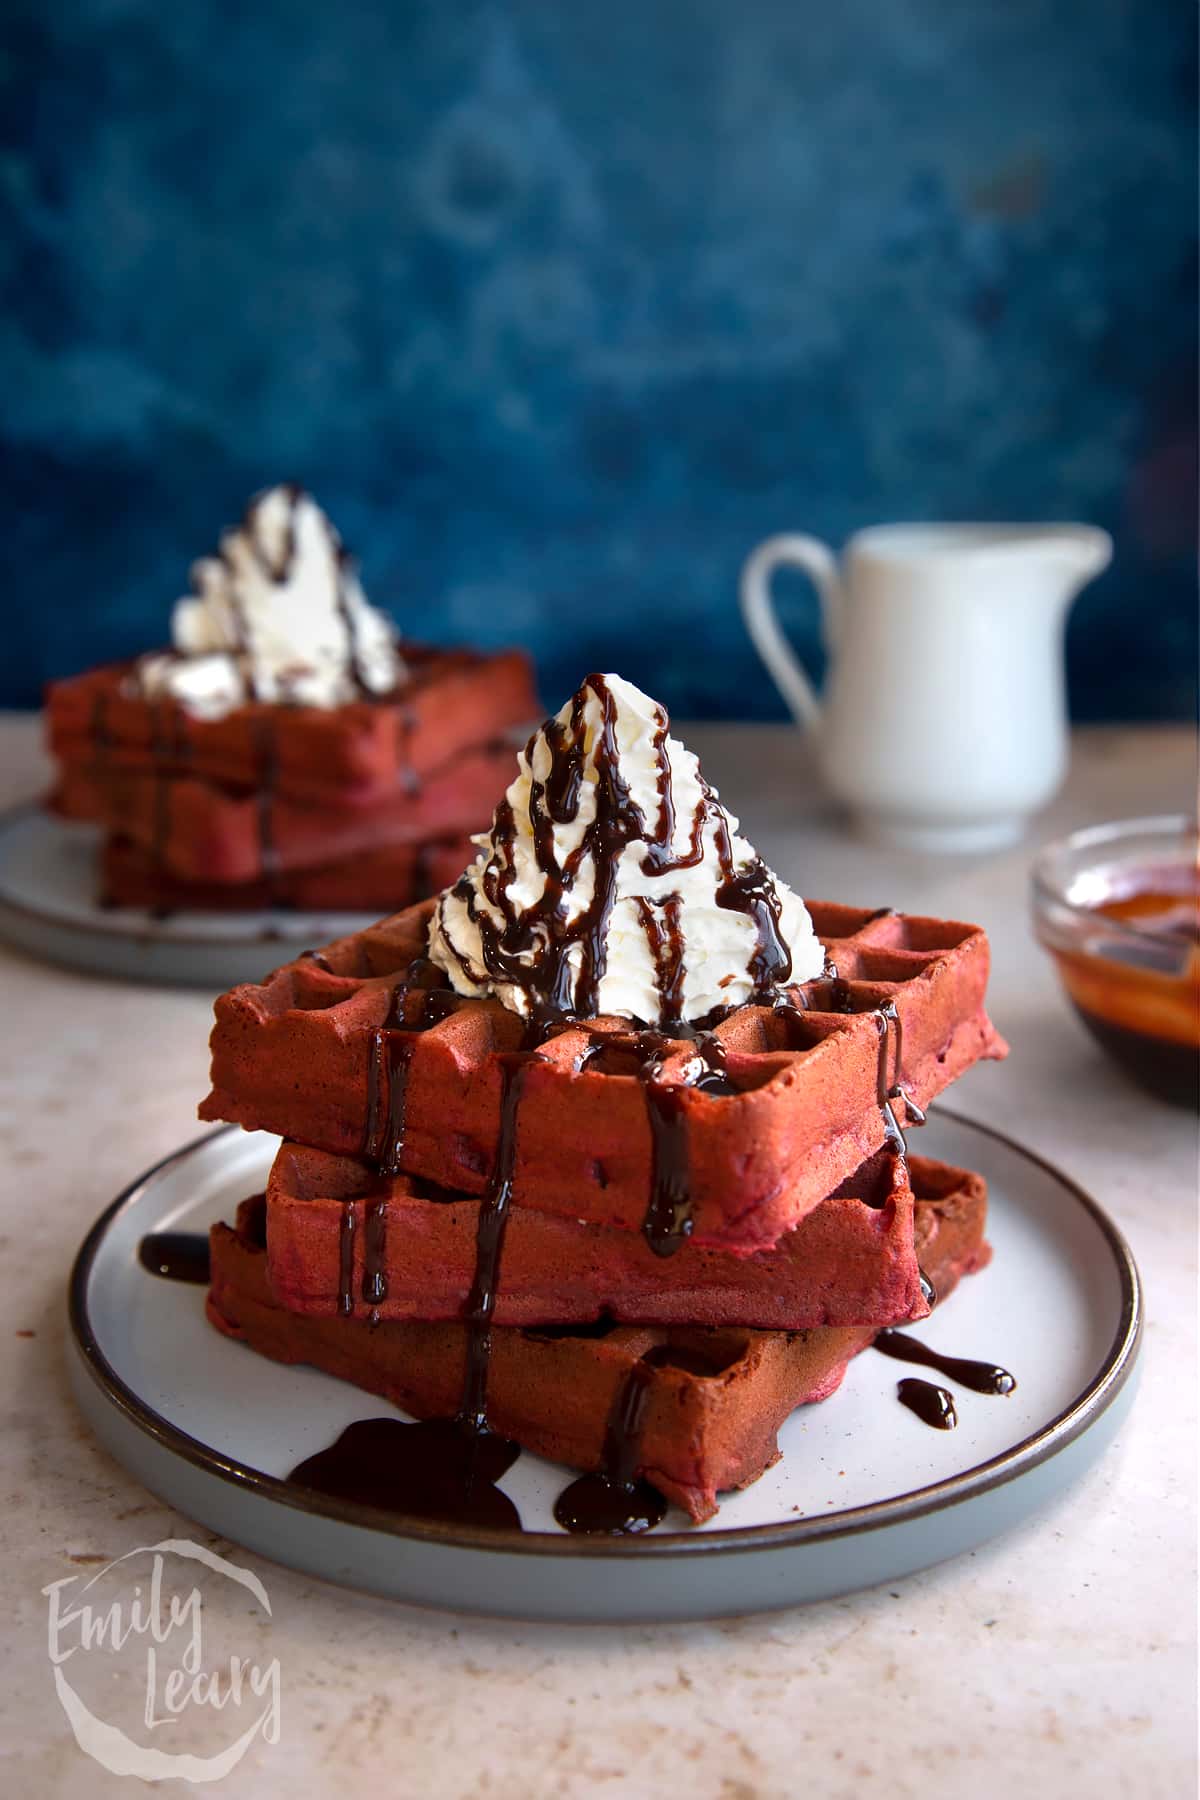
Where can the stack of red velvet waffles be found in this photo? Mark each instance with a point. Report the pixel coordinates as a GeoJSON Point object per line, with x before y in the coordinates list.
{"type": "Point", "coordinates": [359, 806]}
{"type": "Point", "coordinates": [633, 1252]}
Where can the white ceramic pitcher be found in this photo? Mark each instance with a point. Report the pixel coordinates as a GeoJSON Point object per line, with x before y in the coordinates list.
{"type": "Point", "coordinates": [943, 723]}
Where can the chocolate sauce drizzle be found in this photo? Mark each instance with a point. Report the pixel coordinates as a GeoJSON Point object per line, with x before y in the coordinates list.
{"type": "Point", "coordinates": [980, 1377]}
{"type": "Point", "coordinates": [176, 1255]}
{"type": "Point", "coordinates": [489, 1245]}
{"type": "Point", "coordinates": [388, 1056]}
{"type": "Point", "coordinates": [668, 1221]}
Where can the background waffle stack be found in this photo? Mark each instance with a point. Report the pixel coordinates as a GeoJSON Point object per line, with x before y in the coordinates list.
{"type": "Point", "coordinates": [350, 807]}
{"type": "Point", "coordinates": [632, 1253]}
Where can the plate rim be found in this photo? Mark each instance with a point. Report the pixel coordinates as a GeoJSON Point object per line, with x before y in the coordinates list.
{"type": "Point", "coordinates": [141, 926]}
{"type": "Point", "coordinates": [1093, 1400]}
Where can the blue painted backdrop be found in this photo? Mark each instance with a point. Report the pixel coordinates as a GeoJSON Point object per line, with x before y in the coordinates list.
{"type": "Point", "coordinates": [559, 305]}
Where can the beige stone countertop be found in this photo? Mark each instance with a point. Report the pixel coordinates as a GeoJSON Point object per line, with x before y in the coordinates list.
{"type": "Point", "coordinates": [1057, 1661]}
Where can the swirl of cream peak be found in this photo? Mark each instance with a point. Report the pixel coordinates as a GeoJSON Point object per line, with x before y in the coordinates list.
{"type": "Point", "coordinates": [614, 881]}
{"type": "Point", "coordinates": [278, 616]}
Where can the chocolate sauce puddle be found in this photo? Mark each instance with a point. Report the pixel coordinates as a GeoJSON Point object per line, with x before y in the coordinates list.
{"type": "Point", "coordinates": [980, 1377]}
{"type": "Point", "coordinates": [436, 1469]}
{"type": "Point", "coordinates": [611, 1502]}
{"type": "Point", "coordinates": [176, 1255]}
{"type": "Point", "coordinates": [932, 1405]}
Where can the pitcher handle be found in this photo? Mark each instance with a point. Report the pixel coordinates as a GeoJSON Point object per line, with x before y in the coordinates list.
{"type": "Point", "coordinates": [820, 565]}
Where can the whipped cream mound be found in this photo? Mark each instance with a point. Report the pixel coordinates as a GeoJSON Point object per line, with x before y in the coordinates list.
{"type": "Point", "coordinates": [277, 615]}
{"type": "Point", "coordinates": [614, 881]}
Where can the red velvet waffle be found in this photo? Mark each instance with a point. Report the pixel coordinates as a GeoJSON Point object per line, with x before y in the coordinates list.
{"type": "Point", "coordinates": [342, 1241]}
{"type": "Point", "coordinates": [366, 883]}
{"type": "Point", "coordinates": [195, 831]}
{"type": "Point", "coordinates": [711, 1414]}
{"type": "Point", "coordinates": [454, 698]}
{"type": "Point", "coordinates": [303, 1055]}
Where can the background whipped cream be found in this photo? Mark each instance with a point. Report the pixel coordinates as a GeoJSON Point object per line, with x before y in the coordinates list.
{"type": "Point", "coordinates": [718, 943]}
{"type": "Point", "coordinates": [277, 615]}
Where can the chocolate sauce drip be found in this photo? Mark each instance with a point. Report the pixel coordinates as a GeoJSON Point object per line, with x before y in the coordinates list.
{"type": "Point", "coordinates": [176, 1255]}
{"type": "Point", "coordinates": [441, 1468]}
{"type": "Point", "coordinates": [489, 1244]}
{"type": "Point", "coordinates": [928, 1291]}
{"type": "Point", "coordinates": [980, 1377]}
{"type": "Point", "coordinates": [668, 1221]}
{"type": "Point", "coordinates": [374, 1282]}
{"type": "Point", "coordinates": [888, 1021]}
{"type": "Point", "coordinates": [318, 959]}
{"type": "Point", "coordinates": [436, 1469]}
{"type": "Point", "coordinates": [612, 1502]}
{"type": "Point", "coordinates": [389, 1054]}
{"type": "Point", "coordinates": [932, 1405]}
{"type": "Point", "coordinates": [346, 1236]}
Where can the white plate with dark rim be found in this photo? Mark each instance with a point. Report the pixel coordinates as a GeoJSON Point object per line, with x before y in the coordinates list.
{"type": "Point", "coordinates": [864, 1492]}
{"type": "Point", "coordinates": [48, 907]}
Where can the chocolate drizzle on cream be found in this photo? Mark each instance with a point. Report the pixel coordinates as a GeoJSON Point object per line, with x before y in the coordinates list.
{"type": "Point", "coordinates": [557, 962]}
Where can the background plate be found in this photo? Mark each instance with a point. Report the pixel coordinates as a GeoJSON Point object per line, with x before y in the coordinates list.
{"type": "Point", "coordinates": [48, 907]}
{"type": "Point", "coordinates": [864, 1492]}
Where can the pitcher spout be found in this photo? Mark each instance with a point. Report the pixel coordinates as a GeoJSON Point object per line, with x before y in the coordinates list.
{"type": "Point", "coordinates": [1077, 552]}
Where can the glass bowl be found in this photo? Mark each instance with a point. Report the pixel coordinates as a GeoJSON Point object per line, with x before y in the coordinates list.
{"type": "Point", "coordinates": [1118, 907]}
